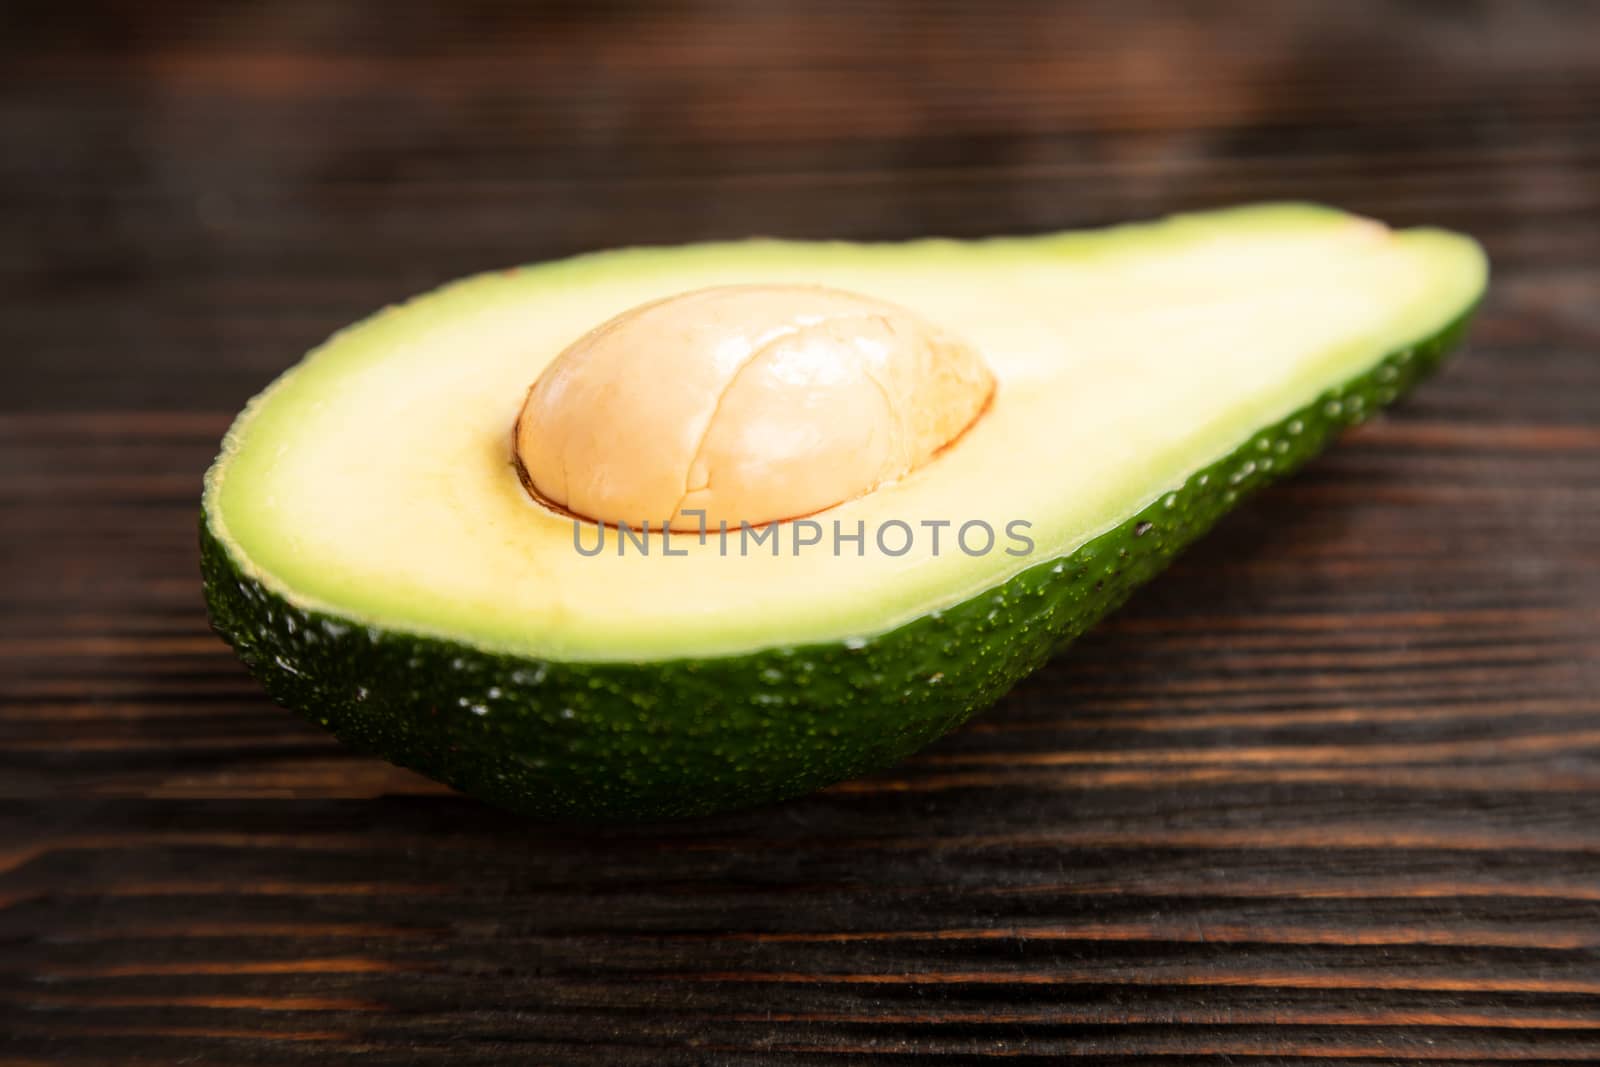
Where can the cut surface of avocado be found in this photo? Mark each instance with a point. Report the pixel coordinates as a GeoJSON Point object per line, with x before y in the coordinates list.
{"type": "Point", "coordinates": [371, 551]}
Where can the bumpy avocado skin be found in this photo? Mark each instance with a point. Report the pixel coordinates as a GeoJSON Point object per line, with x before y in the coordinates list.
{"type": "Point", "coordinates": [691, 736]}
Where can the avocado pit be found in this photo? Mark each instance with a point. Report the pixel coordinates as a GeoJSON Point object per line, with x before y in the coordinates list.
{"type": "Point", "coordinates": [747, 403]}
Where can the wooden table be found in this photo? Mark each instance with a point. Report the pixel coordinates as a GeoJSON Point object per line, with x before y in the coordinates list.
{"type": "Point", "coordinates": [1327, 792]}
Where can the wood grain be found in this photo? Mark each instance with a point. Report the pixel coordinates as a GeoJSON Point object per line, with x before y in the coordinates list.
{"type": "Point", "coordinates": [1328, 792]}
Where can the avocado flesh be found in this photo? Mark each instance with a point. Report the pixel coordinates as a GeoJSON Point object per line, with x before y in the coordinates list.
{"type": "Point", "coordinates": [371, 555]}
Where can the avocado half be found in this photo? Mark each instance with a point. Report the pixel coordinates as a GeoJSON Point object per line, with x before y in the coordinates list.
{"type": "Point", "coordinates": [371, 555]}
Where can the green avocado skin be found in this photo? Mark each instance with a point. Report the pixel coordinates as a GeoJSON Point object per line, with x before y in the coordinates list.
{"type": "Point", "coordinates": [672, 738]}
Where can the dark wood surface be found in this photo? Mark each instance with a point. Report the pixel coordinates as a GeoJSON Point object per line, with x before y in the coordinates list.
{"type": "Point", "coordinates": [1328, 792]}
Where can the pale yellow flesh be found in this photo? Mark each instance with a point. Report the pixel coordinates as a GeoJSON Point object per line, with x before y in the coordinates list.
{"type": "Point", "coordinates": [744, 405]}
{"type": "Point", "coordinates": [375, 480]}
